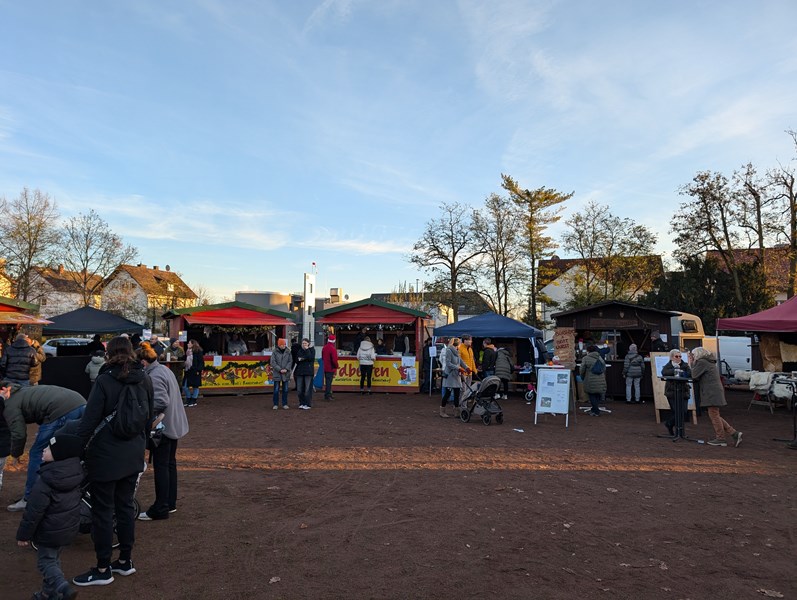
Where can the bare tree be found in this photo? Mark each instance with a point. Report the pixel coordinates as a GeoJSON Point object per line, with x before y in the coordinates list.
{"type": "Point", "coordinates": [542, 208]}
{"type": "Point", "coordinates": [28, 236]}
{"type": "Point", "coordinates": [446, 250]}
{"type": "Point", "coordinates": [498, 230]}
{"type": "Point", "coordinates": [92, 252]}
{"type": "Point", "coordinates": [203, 295]}
{"type": "Point", "coordinates": [782, 182]}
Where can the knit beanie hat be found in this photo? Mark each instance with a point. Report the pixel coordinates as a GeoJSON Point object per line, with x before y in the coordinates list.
{"type": "Point", "coordinates": [66, 445]}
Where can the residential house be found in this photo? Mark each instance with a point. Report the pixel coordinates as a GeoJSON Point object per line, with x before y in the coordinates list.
{"type": "Point", "coordinates": [58, 291]}
{"type": "Point", "coordinates": [776, 265]}
{"type": "Point", "coordinates": [6, 285]}
{"type": "Point", "coordinates": [559, 278]}
{"type": "Point", "coordinates": [143, 294]}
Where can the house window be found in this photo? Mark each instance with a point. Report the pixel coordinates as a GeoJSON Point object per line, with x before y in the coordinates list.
{"type": "Point", "coordinates": [170, 287]}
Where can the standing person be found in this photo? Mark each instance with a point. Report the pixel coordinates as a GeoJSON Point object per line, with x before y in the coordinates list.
{"type": "Point", "coordinates": [593, 372]}
{"type": "Point", "coordinates": [712, 396]}
{"type": "Point", "coordinates": [656, 343]}
{"type": "Point", "coordinates": [358, 339]}
{"type": "Point", "coordinates": [673, 388]}
{"type": "Point", "coordinates": [51, 407]}
{"type": "Point", "coordinates": [281, 365]}
{"type": "Point", "coordinates": [170, 413]}
{"type": "Point", "coordinates": [114, 462]}
{"type": "Point", "coordinates": [158, 346]}
{"type": "Point", "coordinates": [36, 369]}
{"type": "Point", "coordinates": [94, 365]}
{"type": "Point", "coordinates": [295, 347]}
{"type": "Point", "coordinates": [402, 344]}
{"type": "Point", "coordinates": [427, 374]}
{"type": "Point", "coordinates": [52, 517]}
{"type": "Point", "coordinates": [175, 349]}
{"type": "Point", "coordinates": [488, 358]}
{"type": "Point", "coordinates": [193, 373]}
{"type": "Point", "coordinates": [466, 353]}
{"type": "Point", "coordinates": [504, 369]}
{"type": "Point", "coordinates": [303, 374]}
{"type": "Point", "coordinates": [633, 369]}
{"type": "Point", "coordinates": [452, 379]}
{"type": "Point", "coordinates": [95, 345]}
{"type": "Point", "coordinates": [380, 348]}
{"type": "Point", "coordinates": [236, 346]}
{"type": "Point", "coordinates": [17, 361]}
{"type": "Point", "coordinates": [329, 356]}
{"type": "Point", "coordinates": [366, 356]}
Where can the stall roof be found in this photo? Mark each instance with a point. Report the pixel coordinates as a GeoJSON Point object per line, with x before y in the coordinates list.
{"type": "Point", "coordinates": [14, 305]}
{"type": "Point", "coordinates": [574, 311]}
{"type": "Point", "coordinates": [232, 313]}
{"type": "Point", "coordinates": [369, 311]}
{"type": "Point", "coordinates": [490, 325]}
{"type": "Point", "coordinates": [778, 319]}
{"type": "Point", "coordinates": [90, 320]}
{"type": "Point", "coordinates": [18, 318]}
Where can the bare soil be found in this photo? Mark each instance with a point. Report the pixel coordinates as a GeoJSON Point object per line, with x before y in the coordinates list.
{"type": "Point", "coordinates": [378, 497]}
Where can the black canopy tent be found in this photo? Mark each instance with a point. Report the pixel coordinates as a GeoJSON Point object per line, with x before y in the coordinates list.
{"type": "Point", "coordinates": [88, 320]}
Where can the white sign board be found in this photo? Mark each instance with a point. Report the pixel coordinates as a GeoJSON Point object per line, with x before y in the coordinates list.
{"type": "Point", "coordinates": [553, 392]}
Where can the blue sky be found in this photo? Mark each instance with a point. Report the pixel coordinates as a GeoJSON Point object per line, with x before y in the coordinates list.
{"type": "Point", "coordinates": [238, 142]}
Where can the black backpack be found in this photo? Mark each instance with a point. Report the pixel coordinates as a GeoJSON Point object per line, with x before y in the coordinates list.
{"type": "Point", "coordinates": [131, 416]}
{"type": "Point", "coordinates": [598, 368]}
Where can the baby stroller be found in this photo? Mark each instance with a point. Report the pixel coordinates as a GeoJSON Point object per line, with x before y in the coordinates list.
{"type": "Point", "coordinates": [480, 399]}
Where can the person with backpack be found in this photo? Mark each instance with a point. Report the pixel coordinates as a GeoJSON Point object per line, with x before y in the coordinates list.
{"type": "Point", "coordinates": [633, 369]}
{"type": "Point", "coordinates": [593, 373]}
{"type": "Point", "coordinates": [115, 427]}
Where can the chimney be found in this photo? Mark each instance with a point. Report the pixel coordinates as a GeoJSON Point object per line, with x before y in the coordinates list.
{"type": "Point", "coordinates": [60, 269]}
{"type": "Point", "coordinates": [141, 265]}
{"type": "Point", "coordinates": [155, 268]}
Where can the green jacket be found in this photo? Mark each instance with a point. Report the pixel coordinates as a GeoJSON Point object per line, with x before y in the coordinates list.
{"type": "Point", "coordinates": [593, 384]}
{"type": "Point", "coordinates": [38, 404]}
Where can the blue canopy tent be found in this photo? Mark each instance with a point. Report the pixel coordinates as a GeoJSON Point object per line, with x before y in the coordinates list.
{"type": "Point", "coordinates": [498, 327]}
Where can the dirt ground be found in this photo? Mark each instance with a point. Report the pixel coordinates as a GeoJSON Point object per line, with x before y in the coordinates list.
{"type": "Point", "coordinates": [377, 497]}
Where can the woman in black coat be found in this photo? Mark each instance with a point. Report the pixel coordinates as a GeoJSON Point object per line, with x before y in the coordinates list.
{"type": "Point", "coordinates": [193, 372]}
{"type": "Point", "coordinates": [112, 462]}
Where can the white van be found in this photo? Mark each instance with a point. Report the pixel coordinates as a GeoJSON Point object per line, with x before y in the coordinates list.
{"type": "Point", "coordinates": [734, 350]}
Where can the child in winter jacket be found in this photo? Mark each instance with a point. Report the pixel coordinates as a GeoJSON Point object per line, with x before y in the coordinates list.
{"type": "Point", "coordinates": [96, 362]}
{"type": "Point", "coordinates": [52, 515]}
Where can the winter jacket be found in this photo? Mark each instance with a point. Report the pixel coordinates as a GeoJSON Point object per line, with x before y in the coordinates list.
{"type": "Point", "coordinates": [366, 355]}
{"type": "Point", "coordinates": [305, 361]}
{"type": "Point", "coordinates": [671, 387]}
{"type": "Point", "coordinates": [593, 383]}
{"type": "Point", "coordinates": [329, 356]}
{"type": "Point", "coordinates": [94, 366]}
{"type": "Point", "coordinates": [707, 376]}
{"type": "Point", "coordinates": [36, 404]}
{"type": "Point", "coordinates": [503, 364]}
{"type": "Point", "coordinates": [176, 351]}
{"type": "Point", "coordinates": [634, 366]}
{"type": "Point", "coordinates": [281, 359]}
{"type": "Point", "coordinates": [402, 344]}
{"type": "Point", "coordinates": [442, 358]}
{"type": "Point", "coordinates": [52, 515]}
{"type": "Point", "coordinates": [488, 359]}
{"type": "Point", "coordinates": [36, 369]}
{"type": "Point", "coordinates": [17, 361]}
{"type": "Point", "coordinates": [453, 362]}
{"type": "Point", "coordinates": [466, 354]}
{"type": "Point", "coordinates": [193, 373]}
{"type": "Point", "coordinates": [109, 457]}
{"type": "Point", "coordinates": [5, 433]}
{"type": "Point", "coordinates": [166, 399]}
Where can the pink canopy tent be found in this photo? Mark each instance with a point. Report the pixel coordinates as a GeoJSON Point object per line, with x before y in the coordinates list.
{"type": "Point", "coordinates": [779, 319]}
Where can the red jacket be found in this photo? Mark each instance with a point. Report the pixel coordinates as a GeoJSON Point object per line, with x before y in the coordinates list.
{"type": "Point", "coordinates": [329, 356]}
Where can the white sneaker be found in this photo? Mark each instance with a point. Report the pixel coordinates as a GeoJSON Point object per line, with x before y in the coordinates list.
{"type": "Point", "coordinates": [504, 397]}
{"type": "Point", "coordinates": [18, 506]}
{"type": "Point", "coordinates": [144, 517]}
{"type": "Point", "coordinates": [285, 407]}
{"type": "Point", "coordinates": [276, 407]}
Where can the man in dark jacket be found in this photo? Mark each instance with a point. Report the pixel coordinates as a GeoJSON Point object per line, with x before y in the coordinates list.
{"type": "Point", "coordinates": [52, 517]}
{"type": "Point", "coordinates": [17, 361]}
{"type": "Point", "coordinates": [488, 358]}
{"type": "Point", "coordinates": [50, 406]}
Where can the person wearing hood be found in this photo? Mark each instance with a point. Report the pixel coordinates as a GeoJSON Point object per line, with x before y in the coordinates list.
{"type": "Point", "coordinates": [281, 365]}
{"type": "Point", "coordinates": [95, 364]}
{"type": "Point", "coordinates": [17, 361]}
{"type": "Point", "coordinates": [712, 395]}
{"type": "Point", "coordinates": [303, 374]}
{"type": "Point", "coordinates": [633, 368]}
{"type": "Point", "coordinates": [52, 516]}
{"type": "Point", "coordinates": [113, 462]}
{"type": "Point", "coordinates": [170, 416]}
{"type": "Point", "coordinates": [503, 369]}
{"type": "Point", "coordinates": [51, 407]}
{"type": "Point", "coordinates": [366, 355]}
{"type": "Point", "coordinates": [329, 358]}
{"type": "Point", "coordinates": [594, 382]}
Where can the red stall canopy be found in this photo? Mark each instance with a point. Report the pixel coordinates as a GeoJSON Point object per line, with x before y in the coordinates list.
{"type": "Point", "coordinates": [781, 318]}
{"type": "Point", "coordinates": [231, 313]}
{"type": "Point", "coordinates": [369, 311]}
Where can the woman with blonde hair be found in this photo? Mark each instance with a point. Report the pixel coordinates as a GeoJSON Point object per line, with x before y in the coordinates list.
{"type": "Point", "coordinates": [452, 379]}
{"type": "Point", "coordinates": [707, 377]}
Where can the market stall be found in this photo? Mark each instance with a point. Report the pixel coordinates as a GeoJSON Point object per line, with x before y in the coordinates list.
{"type": "Point", "coordinates": [216, 327]}
{"type": "Point", "coordinates": [613, 326]}
{"type": "Point", "coordinates": [400, 328]}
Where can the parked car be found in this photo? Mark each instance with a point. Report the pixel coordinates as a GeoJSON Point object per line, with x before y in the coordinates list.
{"type": "Point", "coordinates": [50, 347]}
{"type": "Point", "coordinates": [549, 347]}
